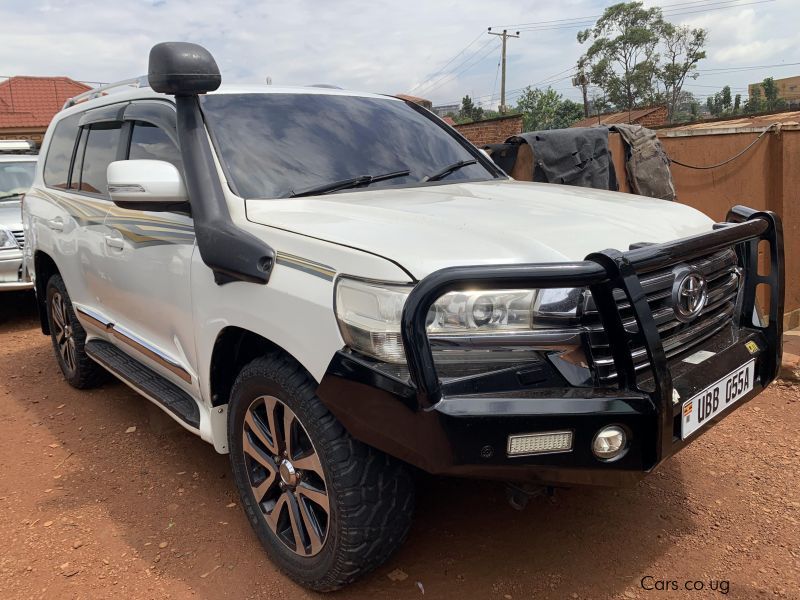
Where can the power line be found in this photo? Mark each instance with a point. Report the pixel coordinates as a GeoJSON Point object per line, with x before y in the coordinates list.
{"type": "Point", "coordinates": [433, 83]}
{"type": "Point", "coordinates": [577, 22]}
{"type": "Point", "coordinates": [464, 67]}
{"type": "Point", "coordinates": [464, 49]}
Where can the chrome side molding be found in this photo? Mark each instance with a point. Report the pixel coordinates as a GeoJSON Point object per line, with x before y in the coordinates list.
{"type": "Point", "coordinates": [102, 323]}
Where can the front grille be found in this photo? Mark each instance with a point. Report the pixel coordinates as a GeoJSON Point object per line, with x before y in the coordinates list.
{"type": "Point", "coordinates": [724, 279]}
{"type": "Point", "coordinates": [19, 235]}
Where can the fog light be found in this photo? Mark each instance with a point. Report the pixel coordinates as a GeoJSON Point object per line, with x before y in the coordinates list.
{"type": "Point", "coordinates": [609, 443]}
{"type": "Point", "coordinates": [546, 442]}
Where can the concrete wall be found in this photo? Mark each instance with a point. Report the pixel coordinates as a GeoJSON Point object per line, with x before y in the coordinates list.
{"type": "Point", "coordinates": [491, 131]}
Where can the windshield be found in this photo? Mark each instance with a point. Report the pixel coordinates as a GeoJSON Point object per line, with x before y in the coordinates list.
{"type": "Point", "coordinates": [274, 145]}
{"type": "Point", "coordinates": [15, 178]}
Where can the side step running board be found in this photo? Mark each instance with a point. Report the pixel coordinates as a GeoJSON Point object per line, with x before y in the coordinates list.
{"type": "Point", "coordinates": [145, 381]}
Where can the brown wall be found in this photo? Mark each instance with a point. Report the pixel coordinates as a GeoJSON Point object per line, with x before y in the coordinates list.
{"type": "Point", "coordinates": [492, 131]}
{"type": "Point", "coordinates": [766, 177]}
{"type": "Point", "coordinates": [35, 134]}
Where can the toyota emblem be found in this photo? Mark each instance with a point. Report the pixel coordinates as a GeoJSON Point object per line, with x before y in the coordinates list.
{"type": "Point", "coordinates": [689, 295]}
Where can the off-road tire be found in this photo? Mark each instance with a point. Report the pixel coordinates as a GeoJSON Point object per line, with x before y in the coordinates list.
{"type": "Point", "coordinates": [371, 495]}
{"type": "Point", "coordinates": [85, 373]}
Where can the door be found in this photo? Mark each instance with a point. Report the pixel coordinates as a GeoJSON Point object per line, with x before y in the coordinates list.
{"type": "Point", "coordinates": [70, 222]}
{"type": "Point", "coordinates": [147, 259]}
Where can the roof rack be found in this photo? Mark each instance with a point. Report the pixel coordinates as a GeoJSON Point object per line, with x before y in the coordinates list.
{"type": "Point", "coordinates": [136, 82]}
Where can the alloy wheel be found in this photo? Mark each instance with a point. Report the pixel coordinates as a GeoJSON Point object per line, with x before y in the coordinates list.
{"type": "Point", "coordinates": [286, 475]}
{"type": "Point", "coordinates": [64, 335]}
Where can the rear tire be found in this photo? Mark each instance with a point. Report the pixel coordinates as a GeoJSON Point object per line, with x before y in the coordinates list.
{"type": "Point", "coordinates": [329, 509]}
{"type": "Point", "coordinates": [69, 338]}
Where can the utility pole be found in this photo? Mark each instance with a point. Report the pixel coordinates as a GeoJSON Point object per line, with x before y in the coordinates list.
{"type": "Point", "coordinates": [581, 80]}
{"type": "Point", "coordinates": [504, 35]}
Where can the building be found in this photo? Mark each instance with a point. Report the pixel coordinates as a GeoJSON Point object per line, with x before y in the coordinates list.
{"type": "Point", "coordinates": [651, 116]}
{"type": "Point", "coordinates": [28, 104]}
{"type": "Point", "coordinates": [416, 100]}
{"type": "Point", "coordinates": [788, 88]}
{"type": "Point", "coordinates": [446, 109]}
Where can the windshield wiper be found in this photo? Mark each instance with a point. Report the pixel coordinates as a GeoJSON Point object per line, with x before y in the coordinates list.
{"type": "Point", "coordinates": [449, 169]}
{"type": "Point", "coordinates": [344, 184]}
{"type": "Point", "coordinates": [12, 195]}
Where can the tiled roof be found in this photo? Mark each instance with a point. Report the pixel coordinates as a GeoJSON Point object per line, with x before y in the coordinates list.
{"type": "Point", "coordinates": [33, 101]}
{"type": "Point", "coordinates": [618, 117]}
{"type": "Point", "coordinates": [414, 99]}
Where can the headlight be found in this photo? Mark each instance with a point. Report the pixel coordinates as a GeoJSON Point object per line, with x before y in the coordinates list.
{"type": "Point", "coordinates": [7, 239]}
{"type": "Point", "coordinates": [463, 326]}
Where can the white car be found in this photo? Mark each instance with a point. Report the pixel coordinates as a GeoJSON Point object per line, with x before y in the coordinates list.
{"type": "Point", "coordinates": [332, 286]}
{"type": "Point", "coordinates": [16, 176]}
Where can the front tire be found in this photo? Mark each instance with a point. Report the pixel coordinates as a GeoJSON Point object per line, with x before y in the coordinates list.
{"type": "Point", "coordinates": [69, 338]}
{"type": "Point", "coordinates": [326, 508]}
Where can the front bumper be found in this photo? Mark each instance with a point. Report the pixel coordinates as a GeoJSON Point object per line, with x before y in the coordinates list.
{"type": "Point", "coordinates": [462, 428]}
{"type": "Point", "coordinates": [12, 273]}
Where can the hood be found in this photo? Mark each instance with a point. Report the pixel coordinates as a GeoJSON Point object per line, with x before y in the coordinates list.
{"type": "Point", "coordinates": [10, 214]}
{"type": "Point", "coordinates": [493, 222]}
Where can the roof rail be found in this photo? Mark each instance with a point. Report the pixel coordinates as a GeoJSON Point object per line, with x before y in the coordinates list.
{"type": "Point", "coordinates": [137, 82]}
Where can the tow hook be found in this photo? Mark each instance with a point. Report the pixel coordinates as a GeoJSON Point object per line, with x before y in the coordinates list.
{"type": "Point", "coordinates": [518, 496]}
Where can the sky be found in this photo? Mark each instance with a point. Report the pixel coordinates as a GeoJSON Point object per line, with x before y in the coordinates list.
{"type": "Point", "coordinates": [379, 46]}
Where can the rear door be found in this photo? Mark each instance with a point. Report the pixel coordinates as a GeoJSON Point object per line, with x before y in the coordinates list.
{"type": "Point", "coordinates": [70, 210]}
{"type": "Point", "coordinates": [147, 258]}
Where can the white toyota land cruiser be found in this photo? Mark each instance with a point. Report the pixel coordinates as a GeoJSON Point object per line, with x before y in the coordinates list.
{"type": "Point", "coordinates": [332, 286]}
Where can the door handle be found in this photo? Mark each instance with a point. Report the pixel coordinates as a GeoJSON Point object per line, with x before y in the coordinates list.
{"type": "Point", "coordinates": [56, 224]}
{"type": "Point", "coordinates": [114, 242]}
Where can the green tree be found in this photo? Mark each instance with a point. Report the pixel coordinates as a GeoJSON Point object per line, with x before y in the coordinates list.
{"type": "Point", "coordinates": [546, 109]}
{"type": "Point", "coordinates": [771, 100]}
{"type": "Point", "coordinates": [469, 112]}
{"type": "Point", "coordinates": [725, 98]}
{"type": "Point", "coordinates": [737, 103]}
{"type": "Point", "coordinates": [568, 113]}
{"type": "Point", "coordinates": [754, 102]}
{"type": "Point", "coordinates": [683, 49]}
{"type": "Point", "coordinates": [637, 58]}
{"type": "Point", "coordinates": [622, 53]}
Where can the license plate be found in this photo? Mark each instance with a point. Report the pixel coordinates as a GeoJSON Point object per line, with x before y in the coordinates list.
{"type": "Point", "coordinates": [701, 408]}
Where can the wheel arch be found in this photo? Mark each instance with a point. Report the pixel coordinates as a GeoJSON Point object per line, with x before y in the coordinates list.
{"type": "Point", "coordinates": [234, 348]}
{"type": "Point", "coordinates": [44, 268]}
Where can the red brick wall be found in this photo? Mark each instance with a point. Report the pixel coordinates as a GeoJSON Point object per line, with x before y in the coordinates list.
{"type": "Point", "coordinates": [491, 131]}
{"type": "Point", "coordinates": [655, 118]}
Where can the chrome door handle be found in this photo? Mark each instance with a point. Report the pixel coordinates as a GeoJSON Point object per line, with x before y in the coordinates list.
{"type": "Point", "coordinates": [56, 224]}
{"type": "Point", "coordinates": [114, 242]}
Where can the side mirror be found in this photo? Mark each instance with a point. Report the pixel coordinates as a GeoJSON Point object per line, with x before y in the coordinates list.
{"type": "Point", "coordinates": [145, 185]}
{"type": "Point", "coordinates": [182, 69]}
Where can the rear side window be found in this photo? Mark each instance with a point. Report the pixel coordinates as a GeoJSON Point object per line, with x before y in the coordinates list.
{"type": "Point", "coordinates": [59, 153]}
{"type": "Point", "coordinates": [101, 150]}
{"type": "Point", "coordinates": [152, 143]}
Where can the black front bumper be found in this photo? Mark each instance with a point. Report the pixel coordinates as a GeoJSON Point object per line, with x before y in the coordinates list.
{"type": "Point", "coordinates": [462, 428]}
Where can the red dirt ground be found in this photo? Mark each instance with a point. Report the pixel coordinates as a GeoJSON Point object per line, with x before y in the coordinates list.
{"type": "Point", "coordinates": [90, 511]}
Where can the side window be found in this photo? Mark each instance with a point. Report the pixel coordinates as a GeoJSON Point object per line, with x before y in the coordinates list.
{"type": "Point", "coordinates": [101, 150]}
{"type": "Point", "coordinates": [152, 143]}
{"type": "Point", "coordinates": [77, 165]}
{"type": "Point", "coordinates": [59, 152]}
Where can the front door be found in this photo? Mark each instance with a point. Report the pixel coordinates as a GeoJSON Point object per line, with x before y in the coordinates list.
{"type": "Point", "coordinates": [147, 260]}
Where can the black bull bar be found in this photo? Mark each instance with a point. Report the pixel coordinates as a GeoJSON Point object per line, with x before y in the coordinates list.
{"type": "Point", "coordinates": [602, 273]}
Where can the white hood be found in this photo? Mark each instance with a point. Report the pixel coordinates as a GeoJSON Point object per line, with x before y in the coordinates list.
{"type": "Point", "coordinates": [428, 228]}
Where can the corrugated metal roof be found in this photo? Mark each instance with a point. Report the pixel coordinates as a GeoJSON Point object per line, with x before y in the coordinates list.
{"type": "Point", "coordinates": [789, 118]}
